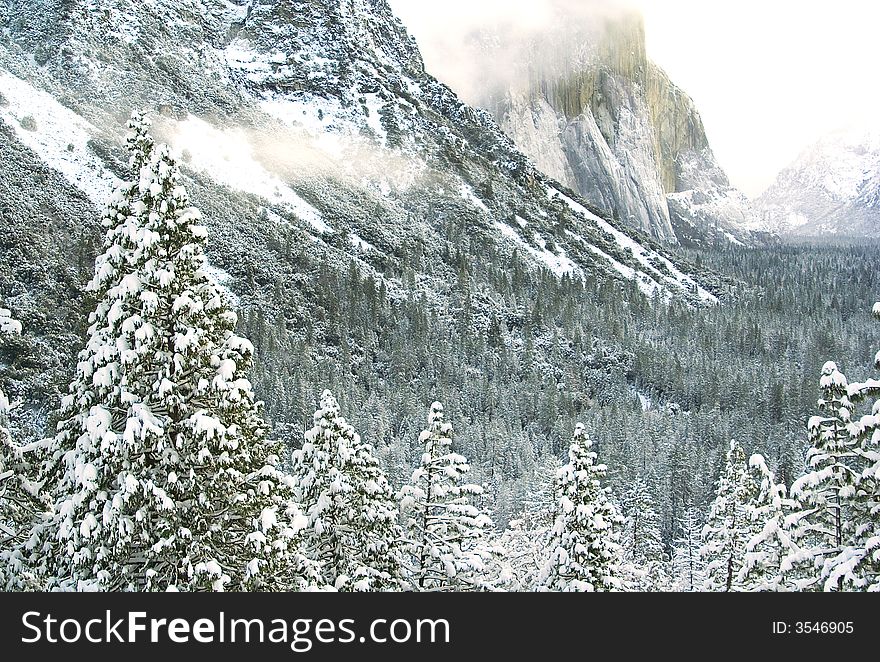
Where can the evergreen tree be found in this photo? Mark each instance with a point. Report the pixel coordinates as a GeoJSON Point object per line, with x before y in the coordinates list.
{"type": "Point", "coordinates": [729, 527]}
{"type": "Point", "coordinates": [448, 537]}
{"type": "Point", "coordinates": [771, 554]}
{"type": "Point", "coordinates": [642, 541]}
{"type": "Point", "coordinates": [827, 519]}
{"type": "Point", "coordinates": [523, 549]}
{"type": "Point", "coordinates": [20, 503]}
{"type": "Point", "coordinates": [353, 529]}
{"type": "Point", "coordinates": [584, 554]}
{"type": "Point", "coordinates": [688, 567]}
{"type": "Point", "coordinates": [540, 502]}
{"type": "Point", "coordinates": [161, 472]}
{"type": "Point", "coordinates": [863, 562]}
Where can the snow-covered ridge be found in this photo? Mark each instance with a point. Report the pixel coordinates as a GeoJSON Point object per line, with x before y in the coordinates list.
{"type": "Point", "coordinates": [332, 119]}
{"type": "Point", "coordinates": [832, 188]}
{"type": "Point", "coordinates": [675, 277]}
{"type": "Point", "coordinates": [57, 134]}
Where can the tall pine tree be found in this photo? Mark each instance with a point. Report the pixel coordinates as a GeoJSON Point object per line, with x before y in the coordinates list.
{"type": "Point", "coordinates": [449, 545]}
{"type": "Point", "coordinates": [772, 553]}
{"type": "Point", "coordinates": [642, 540]}
{"type": "Point", "coordinates": [688, 567]}
{"type": "Point", "coordinates": [353, 530]}
{"type": "Point", "coordinates": [583, 551]}
{"type": "Point", "coordinates": [20, 495]}
{"type": "Point", "coordinates": [162, 475]}
{"type": "Point", "coordinates": [827, 519]}
{"type": "Point", "coordinates": [729, 526]}
{"type": "Point", "coordinates": [863, 562]}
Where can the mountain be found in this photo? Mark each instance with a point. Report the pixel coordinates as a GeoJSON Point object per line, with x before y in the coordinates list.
{"type": "Point", "coordinates": [353, 201]}
{"type": "Point", "coordinates": [832, 188]}
{"type": "Point", "coordinates": [590, 108]}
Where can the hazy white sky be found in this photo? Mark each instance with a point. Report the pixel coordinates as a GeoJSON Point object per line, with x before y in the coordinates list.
{"type": "Point", "coordinates": [768, 76]}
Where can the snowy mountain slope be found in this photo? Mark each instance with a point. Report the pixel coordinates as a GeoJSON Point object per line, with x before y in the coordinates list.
{"type": "Point", "coordinates": [589, 108]}
{"type": "Point", "coordinates": [832, 188]}
{"type": "Point", "coordinates": [310, 136]}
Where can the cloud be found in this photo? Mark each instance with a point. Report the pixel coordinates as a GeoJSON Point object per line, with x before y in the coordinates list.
{"type": "Point", "coordinates": [477, 46]}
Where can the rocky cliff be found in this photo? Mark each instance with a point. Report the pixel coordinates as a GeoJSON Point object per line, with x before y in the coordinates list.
{"type": "Point", "coordinates": [591, 109]}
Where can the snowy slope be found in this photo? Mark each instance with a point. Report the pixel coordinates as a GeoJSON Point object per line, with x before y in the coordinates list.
{"type": "Point", "coordinates": [315, 143]}
{"type": "Point", "coordinates": [286, 111]}
{"type": "Point", "coordinates": [832, 188]}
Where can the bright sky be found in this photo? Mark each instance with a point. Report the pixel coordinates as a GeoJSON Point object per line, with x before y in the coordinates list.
{"type": "Point", "coordinates": [769, 77]}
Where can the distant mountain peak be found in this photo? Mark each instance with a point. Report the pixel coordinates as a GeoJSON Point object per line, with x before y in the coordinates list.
{"type": "Point", "coordinates": [831, 189]}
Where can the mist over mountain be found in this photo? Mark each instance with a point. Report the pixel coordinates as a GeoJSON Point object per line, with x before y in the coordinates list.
{"type": "Point", "coordinates": [831, 190]}
{"type": "Point", "coordinates": [575, 90]}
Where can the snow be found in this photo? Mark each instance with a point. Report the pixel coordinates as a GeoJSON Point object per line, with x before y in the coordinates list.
{"type": "Point", "coordinates": [221, 279]}
{"type": "Point", "coordinates": [828, 188]}
{"type": "Point", "coordinates": [60, 139]}
{"type": "Point", "coordinates": [645, 402]}
{"type": "Point", "coordinates": [558, 264]}
{"type": "Point", "coordinates": [733, 240]}
{"type": "Point", "coordinates": [374, 104]}
{"type": "Point", "coordinates": [359, 243]}
{"type": "Point", "coordinates": [468, 194]}
{"type": "Point", "coordinates": [240, 56]}
{"type": "Point", "coordinates": [227, 157]}
{"type": "Point", "coordinates": [8, 325]}
{"type": "Point", "coordinates": [678, 279]}
{"type": "Point", "coordinates": [315, 116]}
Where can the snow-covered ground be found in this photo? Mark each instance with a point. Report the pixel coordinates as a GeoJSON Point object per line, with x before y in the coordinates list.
{"type": "Point", "coordinates": [227, 156]}
{"type": "Point", "coordinates": [58, 135]}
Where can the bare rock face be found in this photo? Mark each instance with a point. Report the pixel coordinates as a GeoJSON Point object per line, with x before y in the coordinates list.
{"type": "Point", "coordinates": [631, 140]}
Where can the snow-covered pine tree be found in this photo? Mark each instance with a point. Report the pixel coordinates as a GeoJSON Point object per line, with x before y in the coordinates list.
{"type": "Point", "coordinates": [447, 536]}
{"type": "Point", "coordinates": [353, 530]}
{"type": "Point", "coordinates": [523, 551]}
{"type": "Point", "coordinates": [8, 327]}
{"type": "Point", "coordinates": [729, 527]}
{"type": "Point", "coordinates": [688, 567]}
{"type": "Point", "coordinates": [540, 502]}
{"type": "Point", "coordinates": [865, 555]}
{"type": "Point", "coordinates": [771, 554]}
{"type": "Point", "coordinates": [162, 474]}
{"type": "Point", "coordinates": [641, 539]}
{"type": "Point", "coordinates": [583, 552]}
{"type": "Point", "coordinates": [526, 538]}
{"type": "Point", "coordinates": [827, 491]}
{"type": "Point", "coordinates": [20, 503]}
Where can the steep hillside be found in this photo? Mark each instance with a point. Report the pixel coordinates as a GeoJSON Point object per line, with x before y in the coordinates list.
{"type": "Point", "coordinates": [377, 235]}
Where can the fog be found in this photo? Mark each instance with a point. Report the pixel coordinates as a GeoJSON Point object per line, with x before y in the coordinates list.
{"type": "Point", "coordinates": [769, 77]}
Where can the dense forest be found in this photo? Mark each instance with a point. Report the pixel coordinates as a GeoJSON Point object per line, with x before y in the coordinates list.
{"type": "Point", "coordinates": [541, 378]}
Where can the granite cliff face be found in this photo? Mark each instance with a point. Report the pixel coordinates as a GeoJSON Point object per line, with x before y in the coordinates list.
{"type": "Point", "coordinates": [592, 110]}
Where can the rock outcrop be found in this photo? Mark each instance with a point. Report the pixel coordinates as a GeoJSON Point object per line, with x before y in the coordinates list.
{"type": "Point", "coordinates": [592, 110]}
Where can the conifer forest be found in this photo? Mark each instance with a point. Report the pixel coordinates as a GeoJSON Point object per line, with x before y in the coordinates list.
{"type": "Point", "coordinates": [403, 353]}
